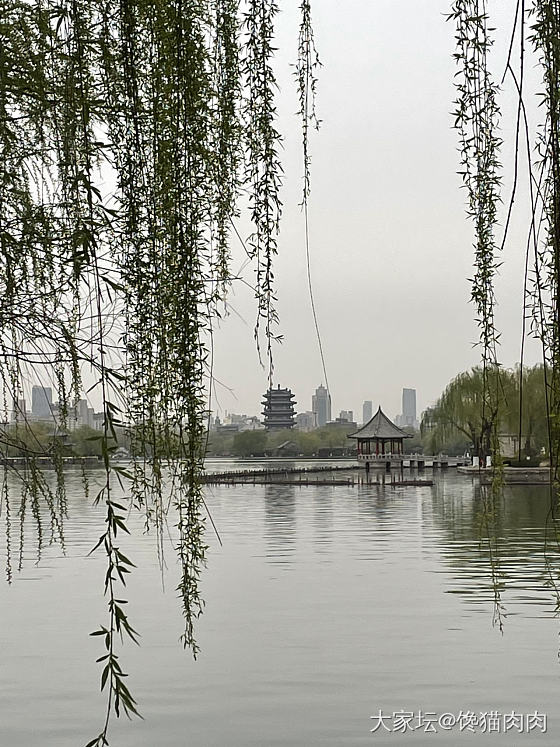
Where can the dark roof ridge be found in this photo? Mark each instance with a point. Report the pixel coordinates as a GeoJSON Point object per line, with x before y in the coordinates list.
{"type": "Point", "coordinates": [380, 427]}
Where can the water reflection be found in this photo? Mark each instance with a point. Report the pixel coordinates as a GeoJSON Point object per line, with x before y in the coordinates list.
{"type": "Point", "coordinates": [502, 559]}
{"type": "Point", "coordinates": [364, 620]}
{"type": "Point", "coordinates": [38, 525]}
{"type": "Point", "coordinates": [514, 543]}
{"type": "Point", "coordinates": [280, 522]}
{"type": "Point", "coordinates": [323, 519]}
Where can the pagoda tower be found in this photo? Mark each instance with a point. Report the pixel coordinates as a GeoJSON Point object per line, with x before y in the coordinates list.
{"type": "Point", "coordinates": [279, 410]}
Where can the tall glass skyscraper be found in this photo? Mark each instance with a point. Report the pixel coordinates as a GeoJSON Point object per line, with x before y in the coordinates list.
{"type": "Point", "coordinates": [41, 401]}
{"type": "Point", "coordinates": [321, 405]}
{"type": "Point", "coordinates": [409, 407]}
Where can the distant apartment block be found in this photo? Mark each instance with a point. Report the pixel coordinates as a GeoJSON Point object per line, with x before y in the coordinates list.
{"type": "Point", "coordinates": [321, 405]}
{"type": "Point", "coordinates": [228, 428]}
{"type": "Point", "coordinates": [279, 409]}
{"type": "Point", "coordinates": [367, 411]}
{"type": "Point", "coordinates": [409, 404]}
{"type": "Point", "coordinates": [41, 402]}
{"type": "Point", "coordinates": [252, 423]}
{"type": "Point", "coordinates": [233, 419]}
{"type": "Point", "coordinates": [342, 423]}
{"type": "Point", "coordinates": [98, 421]}
{"type": "Point", "coordinates": [241, 423]}
{"type": "Point", "coordinates": [81, 415]}
{"type": "Point", "coordinates": [306, 421]}
{"type": "Point", "coordinates": [19, 409]}
{"type": "Point", "coordinates": [408, 417]}
{"type": "Point", "coordinates": [346, 415]}
{"type": "Point", "coordinates": [244, 422]}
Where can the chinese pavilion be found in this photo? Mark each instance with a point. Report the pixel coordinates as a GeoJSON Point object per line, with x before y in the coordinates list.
{"type": "Point", "coordinates": [380, 440]}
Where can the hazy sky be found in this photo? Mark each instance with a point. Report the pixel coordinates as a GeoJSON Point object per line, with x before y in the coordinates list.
{"type": "Point", "coordinates": [391, 249]}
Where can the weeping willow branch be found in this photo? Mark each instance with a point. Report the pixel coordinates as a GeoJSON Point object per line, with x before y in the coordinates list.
{"type": "Point", "coordinates": [128, 130]}
{"type": "Point", "coordinates": [306, 75]}
{"type": "Point", "coordinates": [546, 216]}
{"type": "Point", "coordinates": [546, 39]}
{"type": "Point", "coordinates": [264, 169]}
{"type": "Point", "coordinates": [476, 119]}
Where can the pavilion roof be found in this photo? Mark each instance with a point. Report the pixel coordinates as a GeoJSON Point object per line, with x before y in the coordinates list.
{"type": "Point", "coordinates": [380, 427]}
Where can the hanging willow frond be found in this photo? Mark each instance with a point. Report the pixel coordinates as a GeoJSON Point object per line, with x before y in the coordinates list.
{"type": "Point", "coordinates": [264, 169]}
{"type": "Point", "coordinates": [476, 118]}
{"type": "Point", "coordinates": [227, 128]}
{"type": "Point", "coordinates": [546, 40]}
{"type": "Point", "coordinates": [125, 127]}
{"type": "Point", "coordinates": [306, 76]}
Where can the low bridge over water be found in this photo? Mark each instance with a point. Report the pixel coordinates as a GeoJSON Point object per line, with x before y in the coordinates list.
{"type": "Point", "coordinates": [419, 461]}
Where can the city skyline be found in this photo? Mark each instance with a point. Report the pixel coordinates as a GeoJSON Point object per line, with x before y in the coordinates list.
{"type": "Point", "coordinates": [307, 419]}
{"type": "Point", "coordinates": [45, 409]}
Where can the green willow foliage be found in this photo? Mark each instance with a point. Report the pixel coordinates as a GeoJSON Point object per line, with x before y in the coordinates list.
{"type": "Point", "coordinates": [458, 411]}
{"type": "Point", "coordinates": [264, 173]}
{"type": "Point", "coordinates": [128, 131]}
{"type": "Point", "coordinates": [546, 40]}
{"type": "Point", "coordinates": [476, 118]}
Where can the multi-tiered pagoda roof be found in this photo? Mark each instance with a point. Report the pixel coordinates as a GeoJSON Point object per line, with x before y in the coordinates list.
{"type": "Point", "coordinates": [279, 412]}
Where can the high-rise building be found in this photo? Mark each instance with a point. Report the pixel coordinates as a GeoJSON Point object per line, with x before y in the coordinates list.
{"type": "Point", "coordinates": [346, 415]}
{"type": "Point", "coordinates": [278, 410]}
{"type": "Point", "coordinates": [409, 407]}
{"type": "Point", "coordinates": [41, 401]}
{"type": "Point", "coordinates": [367, 411]}
{"type": "Point", "coordinates": [81, 415]}
{"type": "Point", "coordinates": [321, 405]}
{"type": "Point", "coordinates": [19, 409]}
{"type": "Point", "coordinates": [306, 421]}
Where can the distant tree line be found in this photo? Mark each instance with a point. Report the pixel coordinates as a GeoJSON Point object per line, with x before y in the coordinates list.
{"type": "Point", "coordinates": [27, 439]}
{"type": "Point", "coordinates": [306, 443]}
{"type": "Point", "coordinates": [262, 442]}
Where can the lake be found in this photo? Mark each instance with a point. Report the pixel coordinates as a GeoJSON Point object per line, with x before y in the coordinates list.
{"type": "Point", "coordinates": [325, 606]}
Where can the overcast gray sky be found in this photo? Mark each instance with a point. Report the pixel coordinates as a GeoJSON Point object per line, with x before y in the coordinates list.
{"type": "Point", "coordinates": [391, 248]}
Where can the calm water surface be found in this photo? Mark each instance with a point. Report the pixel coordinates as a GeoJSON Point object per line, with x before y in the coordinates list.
{"type": "Point", "coordinates": [324, 605]}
